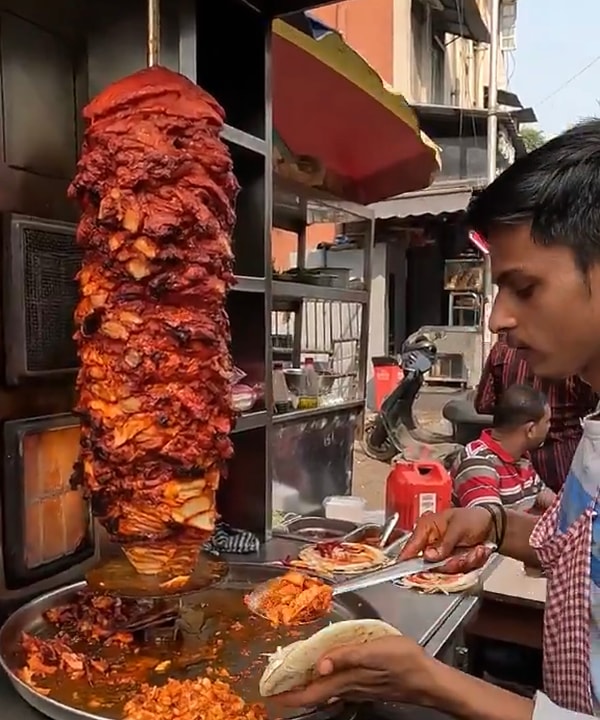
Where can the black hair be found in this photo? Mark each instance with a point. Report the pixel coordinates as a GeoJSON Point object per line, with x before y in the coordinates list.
{"type": "Point", "coordinates": [556, 189]}
{"type": "Point", "coordinates": [519, 404]}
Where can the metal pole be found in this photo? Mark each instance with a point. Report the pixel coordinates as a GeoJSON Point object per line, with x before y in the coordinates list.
{"type": "Point", "coordinates": [492, 148]}
{"type": "Point", "coordinates": [153, 39]}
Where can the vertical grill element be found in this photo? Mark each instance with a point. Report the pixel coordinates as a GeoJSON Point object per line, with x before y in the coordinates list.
{"type": "Point", "coordinates": [41, 260]}
{"type": "Point", "coordinates": [46, 525]}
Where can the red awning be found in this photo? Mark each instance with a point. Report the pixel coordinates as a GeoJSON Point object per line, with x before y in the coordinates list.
{"type": "Point", "coordinates": [328, 103]}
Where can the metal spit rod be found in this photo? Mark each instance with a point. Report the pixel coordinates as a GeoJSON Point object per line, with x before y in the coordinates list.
{"type": "Point", "coordinates": [153, 47]}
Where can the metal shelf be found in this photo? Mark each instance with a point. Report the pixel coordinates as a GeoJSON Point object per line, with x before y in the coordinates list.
{"type": "Point", "coordinates": [244, 139]}
{"type": "Point", "coordinates": [249, 284]}
{"type": "Point", "coordinates": [318, 412]}
{"type": "Point", "coordinates": [251, 421]}
{"type": "Point", "coordinates": [299, 291]}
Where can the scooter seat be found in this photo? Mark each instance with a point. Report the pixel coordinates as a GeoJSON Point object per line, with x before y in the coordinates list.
{"type": "Point", "coordinates": [460, 412]}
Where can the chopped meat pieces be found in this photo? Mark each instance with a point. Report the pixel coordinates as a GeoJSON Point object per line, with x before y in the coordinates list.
{"type": "Point", "coordinates": [156, 188]}
{"type": "Point", "coordinates": [106, 619]}
{"type": "Point", "coordinates": [294, 599]}
{"type": "Point", "coordinates": [45, 657]}
{"type": "Point", "coordinates": [200, 699]}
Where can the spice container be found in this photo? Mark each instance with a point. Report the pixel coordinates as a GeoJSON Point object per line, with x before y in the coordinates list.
{"type": "Point", "coordinates": [345, 507]}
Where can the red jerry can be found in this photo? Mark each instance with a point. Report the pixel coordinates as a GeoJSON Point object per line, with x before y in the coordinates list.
{"type": "Point", "coordinates": [414, 488]}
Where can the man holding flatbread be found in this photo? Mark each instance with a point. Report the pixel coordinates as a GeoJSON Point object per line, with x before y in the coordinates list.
{"type": "Point", "coordinates": [542, 220]}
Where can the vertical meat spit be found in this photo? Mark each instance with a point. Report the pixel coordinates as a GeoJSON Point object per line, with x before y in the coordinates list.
{"type": "Point", "coordinates": [156, 186]}
{"type": "Point", "coordinates": [153, 39]}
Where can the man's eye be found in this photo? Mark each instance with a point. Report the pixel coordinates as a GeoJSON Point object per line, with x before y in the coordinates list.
{"type": "Point", "coordinates": [524, 293]}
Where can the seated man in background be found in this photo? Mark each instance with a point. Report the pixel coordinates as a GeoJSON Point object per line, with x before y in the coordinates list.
{"type": "Point", "coordinates": [570, 400]}
{"type": "Point", "coordinates": [497, 467]}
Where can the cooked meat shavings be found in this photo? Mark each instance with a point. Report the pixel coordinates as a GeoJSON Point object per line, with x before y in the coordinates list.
{"type": "Point", "coordinates": [200, 699]}
{"type": "Point", "coordinates": [94, 618]}
{"type": "Point", "coordinates": [294, 599]}
{"type": "Point", "coordinates": [46, 657]}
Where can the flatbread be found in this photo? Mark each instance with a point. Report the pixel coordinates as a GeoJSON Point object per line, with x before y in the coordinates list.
{"type": "Point", "coordinates": [433, 582]}
{"type": "Point", "coordinates": [294, 666]}
{"type": "Point", "coordinates": [342, 558]}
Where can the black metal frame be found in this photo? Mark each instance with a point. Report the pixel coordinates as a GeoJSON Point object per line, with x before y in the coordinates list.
{"type": "Point", "coordinates": [249, 134]}
{"type": "Point", "coordinates": [278, 8]}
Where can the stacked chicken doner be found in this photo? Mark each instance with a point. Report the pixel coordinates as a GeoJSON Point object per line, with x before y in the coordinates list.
{"type": "Point", "coordinates": [156, 189]}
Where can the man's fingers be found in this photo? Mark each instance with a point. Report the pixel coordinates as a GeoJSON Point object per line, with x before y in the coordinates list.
{"type": "Point", "coordinates": [425, 533]}
{"type": "Point", "coordinates": [344, 657]}
{"type": "Point", "coordinates": [320, 691]}
{"type": "Point", "coordinates": [467, 561]}
{"type": "Point", "coordinates": [446, 546]}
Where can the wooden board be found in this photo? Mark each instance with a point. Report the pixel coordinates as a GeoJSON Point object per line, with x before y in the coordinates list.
{"type": "Point", "coordinates": [508, 581]}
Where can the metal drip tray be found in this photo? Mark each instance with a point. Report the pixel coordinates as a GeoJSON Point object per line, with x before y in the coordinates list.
{"type": "Point", "coordinates": [244, 642]}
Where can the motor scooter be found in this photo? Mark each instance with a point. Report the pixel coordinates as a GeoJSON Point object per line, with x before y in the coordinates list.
{"type": "Point", "coordinates": [394, 431]}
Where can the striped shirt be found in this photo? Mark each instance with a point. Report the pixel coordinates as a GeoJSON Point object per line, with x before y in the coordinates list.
{"type": "Point", "coordinates": [485, 473]}
{"type": "Point", "coordinates": [570, 400]}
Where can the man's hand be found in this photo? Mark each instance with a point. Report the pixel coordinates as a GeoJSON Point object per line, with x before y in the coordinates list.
{"type": "Point", "coordinates": [438, 535]}
{"type": "Point", "coordinates": [392, 668]}
{"type": "Point", "coordinates": [544, 499]}
{"type": "Point", "coordinates": [398, 670]}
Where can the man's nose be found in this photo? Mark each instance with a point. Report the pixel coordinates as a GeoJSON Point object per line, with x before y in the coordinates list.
{"type": "Point", "coordinates": [501, 319]}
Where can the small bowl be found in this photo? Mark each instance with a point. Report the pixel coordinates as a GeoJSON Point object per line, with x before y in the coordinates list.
{"type": "Point", "coordinates": [294, 378]}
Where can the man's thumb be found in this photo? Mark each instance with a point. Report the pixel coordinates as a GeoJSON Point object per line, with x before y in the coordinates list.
{"type": "Point", "coordinates": [445, 547]}
{"type": "Point", "coordinates": [345, 657]}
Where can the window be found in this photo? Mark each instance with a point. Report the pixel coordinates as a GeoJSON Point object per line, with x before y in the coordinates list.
{"type": "Point", "coordinates": [419, 15]}
{"type": "Point", "coordinates": [438, 68]}
{"type": "Point", "coordinates": [428, 55]}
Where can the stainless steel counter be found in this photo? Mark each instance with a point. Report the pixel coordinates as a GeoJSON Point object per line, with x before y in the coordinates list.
{"type": "Point", "coordinates": [430, 619]}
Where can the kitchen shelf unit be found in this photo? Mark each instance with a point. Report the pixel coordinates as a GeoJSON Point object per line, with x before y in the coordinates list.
{"type": "Point", "coordinates": [264, 202]}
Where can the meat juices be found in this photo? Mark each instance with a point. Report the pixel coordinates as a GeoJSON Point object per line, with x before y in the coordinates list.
{"type": "Point", "coordinates": [157, 192]}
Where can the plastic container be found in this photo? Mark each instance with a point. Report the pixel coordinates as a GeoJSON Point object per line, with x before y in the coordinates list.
{"type": "Point", "coordinates": [243, 397]}
{"type": "Point", "coordinates": [281, 394]}
{"type": "Point", "coordinates": [387, 374]}
{"type": "Point", "coordinates": [414, 488]}
{"type": "Point", "coordinates": [309, 398]}
{"type": "Point", "coordinates": [377, 517]}
{"type": "Point", "coordinates": [345, 507]}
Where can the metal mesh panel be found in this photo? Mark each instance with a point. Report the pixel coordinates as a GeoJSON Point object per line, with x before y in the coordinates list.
{"type": "Point", "coordinates": [51, 260]}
